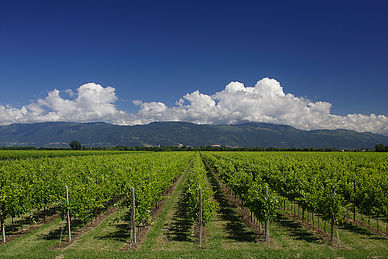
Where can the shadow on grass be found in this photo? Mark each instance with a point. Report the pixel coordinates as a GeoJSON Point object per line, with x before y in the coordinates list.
{"type": "Point", "coordinates": [122, 233]}
{"type": "Point", "coordinates": [297, 231]}
{"type": "Point", "coordinates": [180, 228]}
{"type": "Point", "coordinates": [235, 226]}
{"type": "Point", "coordinates": [38, 216]}
{"type": "Point", "coordinates": [360, 230]}
{"type": "Point", "coordinates": [56, 233]}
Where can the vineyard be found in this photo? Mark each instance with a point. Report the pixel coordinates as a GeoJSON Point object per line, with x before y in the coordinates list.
{"type": "Point", "coordinates": [193, 204]}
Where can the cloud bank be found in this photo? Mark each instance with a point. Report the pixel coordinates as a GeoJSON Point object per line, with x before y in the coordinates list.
{"type": "Point", "coordinates": [265, 102]}
{"type": "Point", "coordinates": [92, 102]}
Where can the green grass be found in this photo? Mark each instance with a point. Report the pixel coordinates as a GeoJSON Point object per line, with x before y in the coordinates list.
{"type": "Point", "coordinates": [34, 244]}
{"type": "Point", "coordinates": [110, 235]}
{"type": "Point", "coordinates": [173, 231]}
{"type": "Point", "coordinates": [226, 230]}
{"type": "Point", "coordinates": [219, 253]}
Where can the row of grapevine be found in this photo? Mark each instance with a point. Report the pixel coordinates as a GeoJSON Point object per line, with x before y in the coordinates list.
{"type": "Point", "coordinates": [28, 154]}
{"type": "Point", "coordinates": [359, 180]}
{"type": "Point", "coordinates": [197, 179]}
{"type": "Point", "coordinates": [250, 188]}
{"type": "Point", "coordinates": [93, 181]}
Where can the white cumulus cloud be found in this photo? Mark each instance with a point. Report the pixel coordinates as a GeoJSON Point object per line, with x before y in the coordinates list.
{"type": "Point", "coordinates": [265, 102]}
{"type": "Point", "coordinates": [92, 102]}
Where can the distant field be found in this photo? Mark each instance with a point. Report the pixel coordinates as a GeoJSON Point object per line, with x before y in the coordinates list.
{"type": "Point", "coordinates": [300, 208]}
{"type": "Point", "coordinates": [19, 154]}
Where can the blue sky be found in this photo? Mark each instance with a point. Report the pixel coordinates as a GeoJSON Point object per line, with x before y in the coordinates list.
{"type": "Point", "coordinates": [158, 51]}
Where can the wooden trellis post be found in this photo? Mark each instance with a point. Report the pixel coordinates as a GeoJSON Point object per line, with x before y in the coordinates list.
{"type": "Point", "coordinates": [133, 223]}
{"type": "Point", "coordinates": [266, 237]}
{"type": "Point", "coordinates": [200, 217]}
{"type": "Point", "coordinates": [68, 214]}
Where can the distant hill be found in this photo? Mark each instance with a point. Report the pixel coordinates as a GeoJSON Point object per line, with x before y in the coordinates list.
{"type": "Point", "coordinates": [60, 134]}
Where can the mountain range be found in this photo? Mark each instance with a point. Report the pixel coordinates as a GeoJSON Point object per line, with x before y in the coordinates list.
{"type": "Point", "coordinates": [60, 134]}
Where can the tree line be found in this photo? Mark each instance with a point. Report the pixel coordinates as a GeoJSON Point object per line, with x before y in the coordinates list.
{"type": "Point", "coordinates": [76, 145]}
{"type": "Point", "coordinates": [381, 148]}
